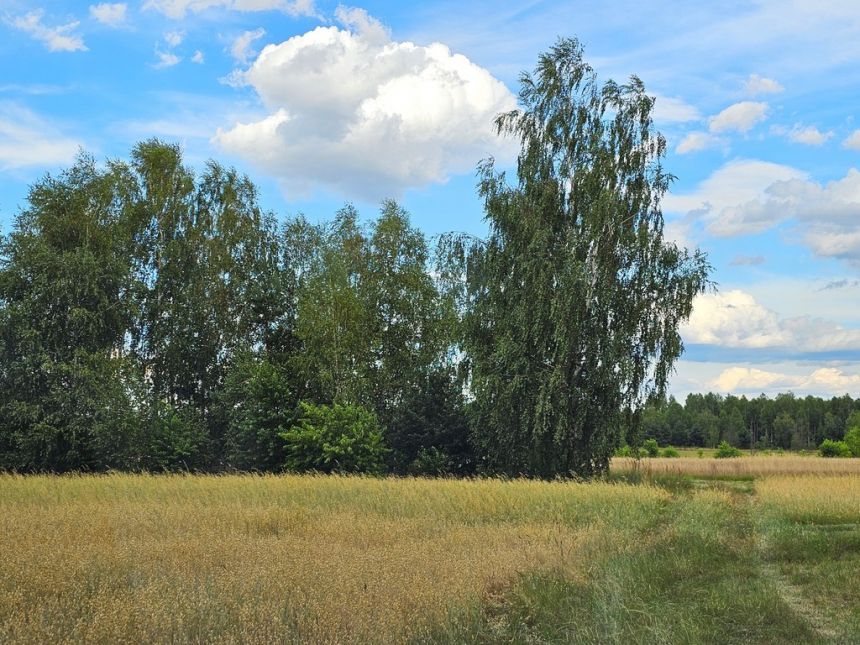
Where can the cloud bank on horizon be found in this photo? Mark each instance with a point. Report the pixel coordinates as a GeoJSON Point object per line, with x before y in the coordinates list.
{"type": "Point", "coordinates": [322, 102]}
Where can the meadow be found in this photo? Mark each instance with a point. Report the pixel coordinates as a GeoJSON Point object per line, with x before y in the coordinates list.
{"type": "Point", "coordinates": [652, 557]}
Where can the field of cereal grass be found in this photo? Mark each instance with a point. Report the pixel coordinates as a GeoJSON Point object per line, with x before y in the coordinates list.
{"type": "Point", "coordinates": [263, 559]}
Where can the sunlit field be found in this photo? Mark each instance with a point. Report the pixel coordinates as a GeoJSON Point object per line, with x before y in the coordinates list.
{"type": "Point", "coordinates": [183, 559]}
{"type": "Point", "coordinates": [746, 466]}
{"type": "Point", "coordinates": [131, 558]}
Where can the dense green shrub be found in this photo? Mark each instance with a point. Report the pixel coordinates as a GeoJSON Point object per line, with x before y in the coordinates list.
{"type": "Point", "coordinates": [726, 451]}
{"type": "Point", "coordinates": [830, 448]}
{"type": "Point", "coordinates": [429, 422]}
{"type": "Point", "coordinates": [176, 438]}
{"type": "Point", "coordinates": [852, 440]}
{"type": "Point", "coordinates": [624, 451]}
{"type": "Point", "coordinates": [335, 438]}
{"type": "Point", "coordinates": [256, 404]}
{"type": "Point", "coordinates": [431, 462]}
{"type": "Point", "coordinates": [670, 452]}
{"type": "Point", "coordinates": [652, 448]}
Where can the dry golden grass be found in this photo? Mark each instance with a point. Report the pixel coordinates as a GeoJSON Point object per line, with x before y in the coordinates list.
{"type": "Point", "coordinates": [126, 558]}
{"type": "Point", "coordinates": [827, 498]}
{"type": "Point", "coordinates": [752, 466]}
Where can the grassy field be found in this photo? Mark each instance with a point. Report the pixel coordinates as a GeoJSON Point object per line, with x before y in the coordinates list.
{"type": "Point", "coordinates": [750, 466]}
{"type": "Point", "coordinates": [669, 558]}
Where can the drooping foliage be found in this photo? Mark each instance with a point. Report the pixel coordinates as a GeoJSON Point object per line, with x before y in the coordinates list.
{"type": "Point", "coordinates": [574, 300]}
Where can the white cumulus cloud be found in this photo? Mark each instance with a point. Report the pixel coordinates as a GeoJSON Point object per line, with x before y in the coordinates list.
{"type": "Point", "coordinates": [178, 9]}
{"type": "Point", "coordinates": [740, 117]}
{"type": "Point", "coordinates": [730, 201]}
{"type": "Point", "coordinates": [27, 139]}
{"type": "Point", "coordinates": [198, 57]}
{"type": "Point", "coordinates": [809, 135]}
{"type": "Point", "coordinates": [60, 38]}
{"type": "Point", "coordinates": [166, 59]}
{"type": "Point", "coordinates": [174, 38]}
{"type": "Point", "coordinates": [747, 196]}
{"type": "Point", "coordinates": [351, 109]}
{"type": "Point", "coordinates": [110, 14]}
{"type": "Point", "coordinates": [756, 85]}
{"type": "Point", "coordinates": [668, 109]}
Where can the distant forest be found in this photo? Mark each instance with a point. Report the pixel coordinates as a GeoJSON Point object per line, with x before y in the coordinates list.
{"type": "Point", "coordinates": [787, 421]}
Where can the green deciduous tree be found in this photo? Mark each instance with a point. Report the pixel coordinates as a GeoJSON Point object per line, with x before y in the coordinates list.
{"type": "Point", "coordinates": [64, 314]}
{"type": "Point", "coordinates": [207, 269]}
{"type": "Point", "coordinates": [370, 318]}
{"type": "Point", "coordinates": [573, 302]}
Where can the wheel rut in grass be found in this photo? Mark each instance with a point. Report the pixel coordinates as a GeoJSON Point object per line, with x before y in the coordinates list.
{"type": "Point", "coordinates": [743, 503]}
{"type": "Point", "coordinates": [790, 594]}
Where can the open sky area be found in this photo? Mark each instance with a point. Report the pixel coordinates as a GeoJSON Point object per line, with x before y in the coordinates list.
{"type": "Point", "coordinates": [324, 103]}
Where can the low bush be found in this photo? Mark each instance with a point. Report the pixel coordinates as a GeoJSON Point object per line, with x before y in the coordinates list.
{"type": "Point", "coordinates": [852, 440]}
{"type": "Point", "coordinates": [624, 451]}
{"type": "Point", "coordinates": [335, 438]}
{"type": "Point", "coordinates": [726, 451]}
{"type": "Point", "coordinates": [652, 448]}
{"type": "Point", "coordinates": [830, 448]}
{"type": "Point", "coordinates": [670, 452]}
{"type": "Point", "coordinates": [431, 462]}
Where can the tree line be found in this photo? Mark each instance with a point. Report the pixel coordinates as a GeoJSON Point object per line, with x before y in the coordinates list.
{"type": "Point", "coordinates": [155, 318]}
{"type": "Point", "coordinates": [786, 421]}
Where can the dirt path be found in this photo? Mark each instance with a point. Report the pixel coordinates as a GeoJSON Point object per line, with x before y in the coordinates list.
{"type": "Point", "coordinates": [744, 496]}
{"type": "Point", "coordinates": [792, 596]}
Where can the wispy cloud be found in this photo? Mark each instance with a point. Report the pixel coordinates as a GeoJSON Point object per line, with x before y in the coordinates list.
{"type": "Point", "coordinates": [178, 9]}
{"type": "Point", "coordinates": [840, 284]}
{"type": "Point", "coordinates": [27, 139]}
{"type": "Point", "coordinates": [747, 260]}
{"type": "Point", "coordinates": [59, 38]}
{"type": "Point", "coordinates": [242, 49]}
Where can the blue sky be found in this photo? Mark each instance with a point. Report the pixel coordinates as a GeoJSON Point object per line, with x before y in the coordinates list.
{"type": "Point", "coordinates": [323, 103]}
